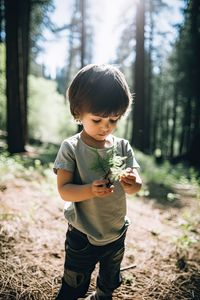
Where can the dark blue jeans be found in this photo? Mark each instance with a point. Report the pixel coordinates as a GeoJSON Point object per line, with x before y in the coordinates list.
{"type": "Point", "coordinates": [80, 260]}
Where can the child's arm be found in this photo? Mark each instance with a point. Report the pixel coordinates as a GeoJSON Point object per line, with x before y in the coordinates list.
{"type": "Point", "coordinates": [75, 192]}
{"type": "Point", "coordinates": [131, 181]}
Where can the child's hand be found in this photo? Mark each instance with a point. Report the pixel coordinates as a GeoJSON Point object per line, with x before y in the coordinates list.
{"type": "Point", "coordinates": [99, 188]}
{"type": "Point", "coordinates": [130, 181]}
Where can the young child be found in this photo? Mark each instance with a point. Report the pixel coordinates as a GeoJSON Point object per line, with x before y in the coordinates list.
{"type": "Point", "coordinates": [95, 204]}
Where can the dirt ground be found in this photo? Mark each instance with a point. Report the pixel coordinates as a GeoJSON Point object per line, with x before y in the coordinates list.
{"type": "Point", "coordinates": [32, 246]}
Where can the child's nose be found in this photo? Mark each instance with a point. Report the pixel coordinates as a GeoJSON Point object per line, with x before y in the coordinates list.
{"type": "Point", "coordinates": [106, 125]}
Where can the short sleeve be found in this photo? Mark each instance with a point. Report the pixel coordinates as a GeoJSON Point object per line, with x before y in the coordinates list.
{"type": "Point", "coordinates": [65, 158]}
{"type": "Point", "coordinates": [131, 161]}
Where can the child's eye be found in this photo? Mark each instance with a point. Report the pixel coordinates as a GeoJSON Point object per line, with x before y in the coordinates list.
{"type": "Point", "coordinates": [96, 121]}
{"type": "Point", "coordinates": [113, 121]}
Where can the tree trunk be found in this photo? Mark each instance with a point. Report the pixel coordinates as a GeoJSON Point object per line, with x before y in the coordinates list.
{"type": "Point", "coordinates": [139, 104]}
{"type": "Point", "coordinates": [148, 96]}
{"type": "Point", "coordinates": [17, 16]}
{"type": "Point", "coordinates": [83, 40]}
{"type": "Point", "coordinates": [173, 133]}
{"type": "Point", "coordinates": [1, 20]}
{"type": "Point", "coordinates": [83, 33]}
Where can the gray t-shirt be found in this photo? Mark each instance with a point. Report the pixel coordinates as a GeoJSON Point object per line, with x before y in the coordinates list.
{"type": "Point", "coordinates": [103, 220]}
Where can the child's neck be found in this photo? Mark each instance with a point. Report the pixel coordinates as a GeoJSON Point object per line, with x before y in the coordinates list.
{"type": "Point", "coordinates": [90, 141]}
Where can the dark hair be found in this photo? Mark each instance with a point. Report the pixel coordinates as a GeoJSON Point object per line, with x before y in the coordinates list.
{"type": "Point", "coordinates": [100, 90]}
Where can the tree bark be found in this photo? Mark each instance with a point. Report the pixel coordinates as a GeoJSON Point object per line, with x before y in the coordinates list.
{"type": "Point", "coordinates": [83, 33]}
{"type": "Point", "coordinates": [1, 19]}
{"type": "Point", "coordinates": [139, 103]}
{"type": "Point", "coordinates": [83, 40]}
{"type": "Point", "coordinates": [17, 16]}
{"type": "Point", "coordinates": [174, 117]}
{"type": "Point", "coordinates": [148, 96]}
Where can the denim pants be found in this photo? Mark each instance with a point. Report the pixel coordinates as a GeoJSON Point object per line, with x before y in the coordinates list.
{"type": "Point", "coordinates": [80, 260]}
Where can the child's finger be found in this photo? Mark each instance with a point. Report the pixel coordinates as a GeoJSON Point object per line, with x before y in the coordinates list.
{"type": "Point", "coordinates": [128, 179]}
{"type": "Point", "coordinates": [102, 189]}
{"type": "Point", "coordinates": [100, 183]}
{"type": "Point", "coordinates": [129, 170]}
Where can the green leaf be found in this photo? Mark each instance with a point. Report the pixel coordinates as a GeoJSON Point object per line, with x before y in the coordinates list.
{"type": "Point", "coordinates": [112, 164]}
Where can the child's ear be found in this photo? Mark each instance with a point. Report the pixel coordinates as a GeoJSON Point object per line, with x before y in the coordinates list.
{"type": "Point", "coordinates": [77, 116]}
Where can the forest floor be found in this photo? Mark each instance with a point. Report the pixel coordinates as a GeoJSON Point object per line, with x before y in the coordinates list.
{"type": "Point", "coordinates": [162, 245]}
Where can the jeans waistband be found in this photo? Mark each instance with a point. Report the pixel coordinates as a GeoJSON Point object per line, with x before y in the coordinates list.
{"type": "Point", "coordinates": [78, 232]}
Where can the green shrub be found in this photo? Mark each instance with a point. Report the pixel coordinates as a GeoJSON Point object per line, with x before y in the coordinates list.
{"type": "Point", "coordinates": [164, 177]}
{"type": "Point", "coordinates": [49, 118]}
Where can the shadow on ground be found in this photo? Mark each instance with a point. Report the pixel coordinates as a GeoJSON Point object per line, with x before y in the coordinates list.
{"type": "Point", "coordinates": [163, 196]}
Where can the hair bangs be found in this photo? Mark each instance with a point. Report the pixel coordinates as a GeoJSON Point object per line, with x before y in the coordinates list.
{"type": "Point", "coordinates": [106, 97]}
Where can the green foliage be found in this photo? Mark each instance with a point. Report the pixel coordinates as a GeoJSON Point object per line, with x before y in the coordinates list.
{"type": "Point", "coordinates": [175, 96]}
{"type": "Point", "coordinates": [19, 166]}
{"type": "Point", "coordinates": [49, 117]}
{"type": "Point", "coordinates": [124, 127]}
{"type": "Point", "coordinates": [188, 224]}
{"type": "Point", "coordinates": [13, 166]}
{"type": "Point", "coordinates": [166, 176]}
{"type": "Point", "coordinates": [166, 172]}
{"type": "Point", "coordinates": [2, 88]}
{"type": "Point", "coordinates": [112, 165]}
{"type": "Point", "coordinates": [34, 169]}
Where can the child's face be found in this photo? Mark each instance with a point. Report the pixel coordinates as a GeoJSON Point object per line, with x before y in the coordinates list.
{"type": "Point", "coordinates": [98, 127]}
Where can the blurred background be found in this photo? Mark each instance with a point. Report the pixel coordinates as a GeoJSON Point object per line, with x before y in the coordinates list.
{"type": "Point", "coordinates": [154, 42]}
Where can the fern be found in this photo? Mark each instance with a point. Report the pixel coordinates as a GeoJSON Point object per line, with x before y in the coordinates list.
{"type": "Point", "coordinates": [112, 165]}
